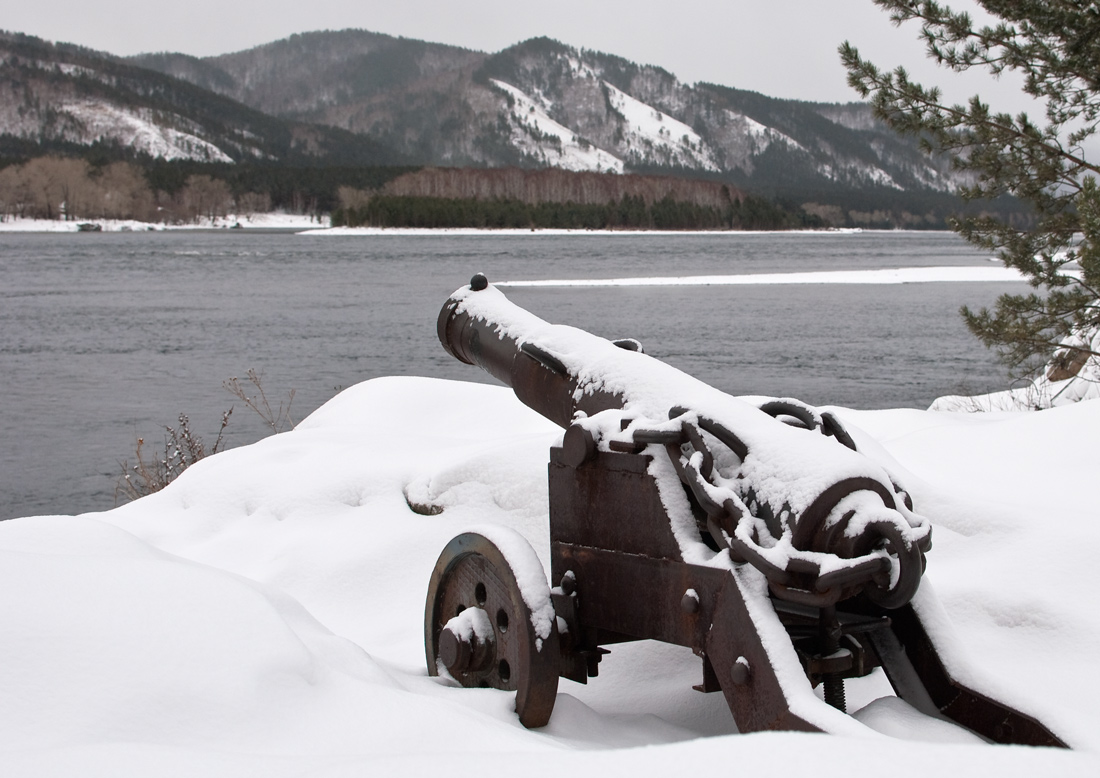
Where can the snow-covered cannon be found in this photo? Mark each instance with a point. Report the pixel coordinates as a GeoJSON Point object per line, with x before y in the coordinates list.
{"type": "Point", "coordinates": [754, 533]}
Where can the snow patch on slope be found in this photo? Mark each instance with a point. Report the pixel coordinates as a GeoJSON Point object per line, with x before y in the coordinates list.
{"type": "Point", "coordinates": [762, 135]}
{"type": "Point", "coordinates": [877, 175]}
{"type": "Point", "coordinates": [859, 173]}
{"type": "Point", "coordinates": [551, 143]}
{"type": "Point", "coordinates": [581, 69]}
{"type": "Point", "coordinates": [650, 133]}
{"type": "Point", "coordinates": [102, 120]}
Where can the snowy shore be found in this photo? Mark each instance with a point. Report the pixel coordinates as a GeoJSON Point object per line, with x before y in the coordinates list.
{"type": "Point", "coordinates": [263, 614]}
{"type": "Point", "coordinates": [259, 221]}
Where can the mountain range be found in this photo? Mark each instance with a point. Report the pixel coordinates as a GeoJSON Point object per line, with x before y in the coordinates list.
{"type": "Point", "coordinates": [58, 96]}
{"type": "Point", "coordinates": [359, 97]}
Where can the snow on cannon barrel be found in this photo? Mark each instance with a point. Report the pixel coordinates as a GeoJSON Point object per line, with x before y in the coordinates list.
{"type": "Point", "coordinates": [755, 534]}
{"type": "Point", "coordinates": [794, 482]}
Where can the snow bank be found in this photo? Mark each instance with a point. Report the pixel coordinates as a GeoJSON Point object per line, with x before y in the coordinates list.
{"type": "Point", "coordinates": [263, 614]}
{"type": "Point", "coordinates": [1073, 375]}
{"type": "Point", "coordinates": [260, 221]}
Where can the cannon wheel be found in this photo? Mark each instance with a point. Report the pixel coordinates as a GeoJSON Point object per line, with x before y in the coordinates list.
{"type": "Point", "coordinates": [472, 572]}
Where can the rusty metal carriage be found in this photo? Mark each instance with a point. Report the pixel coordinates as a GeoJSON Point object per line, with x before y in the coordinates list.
{"type": "Point", "coordinates": [757, 535]}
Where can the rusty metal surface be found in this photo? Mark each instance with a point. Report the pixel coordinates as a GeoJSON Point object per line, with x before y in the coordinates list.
{"type": "Point", "coordinates": [987, 717]}
{"type": "Point", "coordinates": [608, 580]}
{"type": "Point", "coordinates": [621, 575]}
{"type": "Point", "coordinates": [537, 378]}
{"type": "Point", "coordinates": [609, 502]}
{"type": "Point", "coordinates": [473, 575]}
{"type": "Point", "coordinates": [745, 669]}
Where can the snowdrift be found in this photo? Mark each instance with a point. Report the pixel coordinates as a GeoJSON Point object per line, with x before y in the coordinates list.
{"type": "Point", "coordinates": [263, 615]}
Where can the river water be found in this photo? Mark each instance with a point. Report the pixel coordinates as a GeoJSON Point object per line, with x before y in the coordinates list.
{"type": "Point", "coordinates": [107, 337]}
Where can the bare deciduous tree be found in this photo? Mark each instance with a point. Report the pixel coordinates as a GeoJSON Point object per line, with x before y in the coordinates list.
{"type": "Point", "coordinates": [251, 203]}
{"type": "Point", "coordinates": [57, 188]}
{"type": "Point", "coordinates": [123, 193]}
{"type": "Point", "coordinates": [205, 197]}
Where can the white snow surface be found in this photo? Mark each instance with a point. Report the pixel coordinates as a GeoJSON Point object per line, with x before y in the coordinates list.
{"type": "Point", "coordinates": [898, 275]}
{"type": "Point", "coordinates": [136, 130]}
{"type": "Point", "coordinates": [654, 135]}
{"type": "Point", "coordinates": [263, 615]}
{"type": "Point", "coordinates": [762, 134]}
{"type": "Point", "coordinates": [549, 141]}
{"type": "Point", "coordinates": [274, 220]}
{"type": "Point", "coordinates": [1041, 391]}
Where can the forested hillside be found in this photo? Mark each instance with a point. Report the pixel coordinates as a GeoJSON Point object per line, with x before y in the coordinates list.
{"type": "Point", "coordinates": [542, 103]}
{"type": "Point", "coordinates": [57, 97]}
{"type": "Point", "coordinates": [551, 198]}
{"type": "Point", "coordinates": [294, 121]}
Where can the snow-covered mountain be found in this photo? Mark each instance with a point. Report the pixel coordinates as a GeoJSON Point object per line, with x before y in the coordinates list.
{"type": "Point", "coordinates": [542, 103]}
{"type": "Point", "coordinates": [60, 96]}
{"type": "Point", "coordinates": [364, 98]}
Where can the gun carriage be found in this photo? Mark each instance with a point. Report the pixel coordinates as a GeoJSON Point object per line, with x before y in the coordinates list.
{"type": "Point", "coordinates": [755, 534]}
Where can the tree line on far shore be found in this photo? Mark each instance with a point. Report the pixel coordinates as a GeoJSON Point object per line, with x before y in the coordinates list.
{"type": "Point", "coordinates": [61, 185]}
{"type": "Point", "coordinates": [361, 209]}
{"type": "Point", "coordinates": [65, 187]}
{"type": "Point", "coordinates": [71, 189]}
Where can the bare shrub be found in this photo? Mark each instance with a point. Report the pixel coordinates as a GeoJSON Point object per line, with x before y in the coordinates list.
{"type": "Point", "coordinates": [152, 472]}
{"type": "Point", "coordinates": [58, 188]}
{"type": "Point", "coordinates": [251, 393]}
{"type": "Point", "coordinates": [54, 187]}
{"type": "Point", "coordinates": [15, 196]}
{"type": "Point", "coordinates": [123, 193]}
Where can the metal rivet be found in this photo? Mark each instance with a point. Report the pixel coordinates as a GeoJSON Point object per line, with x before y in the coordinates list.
{"type": "Point", "coordinates": [568, 583]}
{"type": "Point", "coordinates": [690, 602]}
{"type": "Point", "coordinates": [741, 672]}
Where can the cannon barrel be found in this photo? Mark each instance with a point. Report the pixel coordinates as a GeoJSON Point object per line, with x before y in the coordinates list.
{"type": "Point", "coordinates": [819, 519]}
{"type": "Point", "coordinates": [540, 380]}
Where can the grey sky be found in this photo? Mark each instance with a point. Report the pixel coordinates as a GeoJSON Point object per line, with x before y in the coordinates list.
{"type": "Point", "coordinates": [783, 48]}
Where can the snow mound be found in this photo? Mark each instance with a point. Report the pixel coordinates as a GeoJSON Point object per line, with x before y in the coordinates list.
{"type": "Point", "coordinates": [1073, 375]}
{"type": "Point", "coordinates": [899, 719]}
{"type": "Point", "coordinates": [264, 613]}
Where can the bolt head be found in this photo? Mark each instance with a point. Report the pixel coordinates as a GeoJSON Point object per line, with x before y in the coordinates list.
{"type": "Point", "coordinates": [454, 652]}
{"type": "Point", "coordinates": [741, 672]}
{"type": "Point", "coordinates": [690, 603]}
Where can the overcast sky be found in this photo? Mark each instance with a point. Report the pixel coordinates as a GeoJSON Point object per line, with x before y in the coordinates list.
{"type": "Point", "coordinates": [782, 48]}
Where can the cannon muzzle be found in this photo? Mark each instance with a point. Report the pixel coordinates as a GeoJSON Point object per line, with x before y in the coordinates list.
{"type": "Point", "coordinates": [504, 349]}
